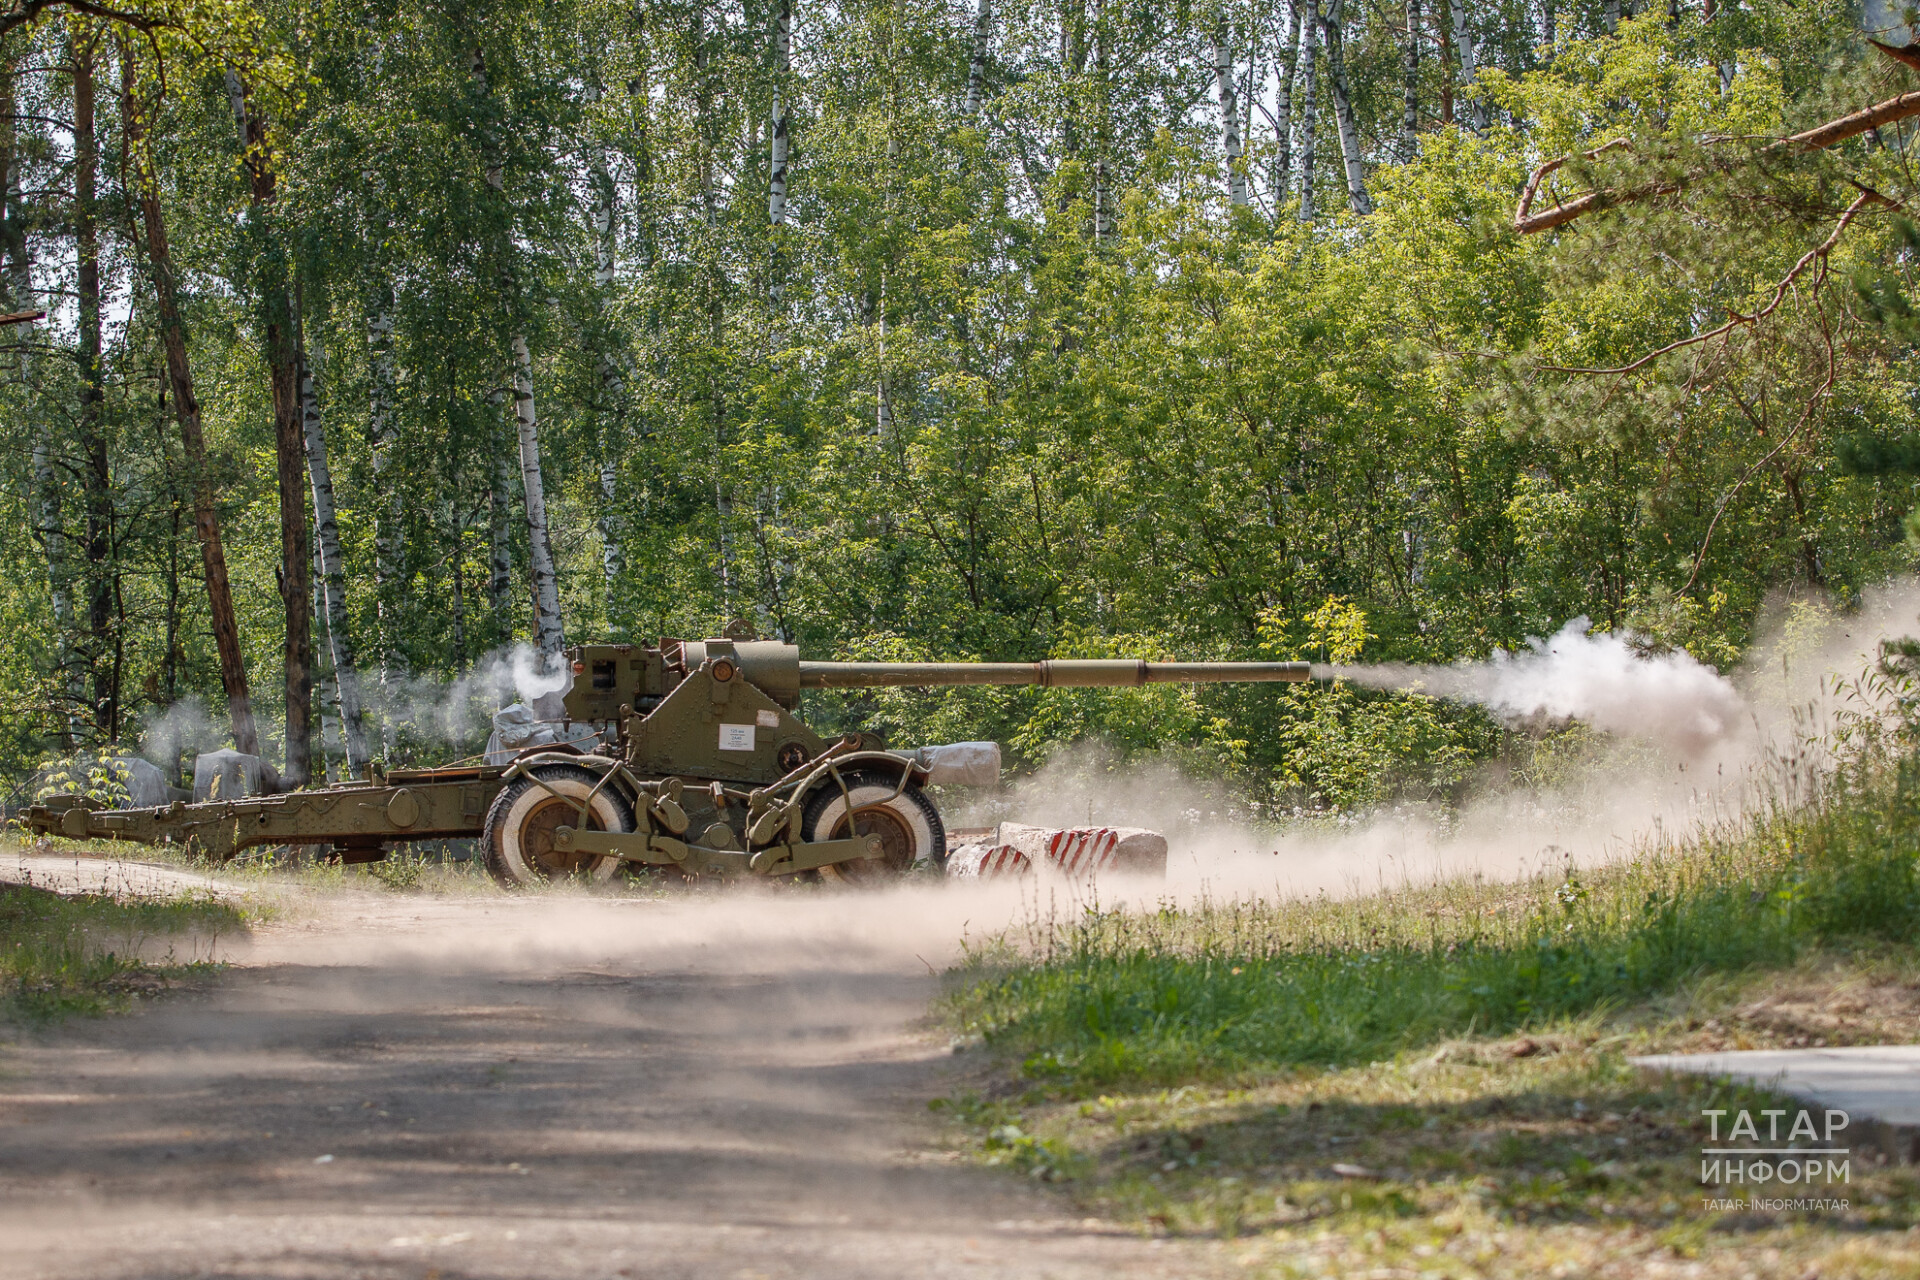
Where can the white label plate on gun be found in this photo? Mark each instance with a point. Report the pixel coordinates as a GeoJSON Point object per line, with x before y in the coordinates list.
{"type": "Point", "coordinates": [736, 737]}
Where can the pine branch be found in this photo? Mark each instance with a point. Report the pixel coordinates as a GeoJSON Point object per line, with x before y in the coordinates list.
{"type": "Point", "coordinates": [1526, 221]}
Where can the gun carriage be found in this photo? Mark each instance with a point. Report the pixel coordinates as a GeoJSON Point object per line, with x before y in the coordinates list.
{"type": "Point", "coordinates": [686, 756]}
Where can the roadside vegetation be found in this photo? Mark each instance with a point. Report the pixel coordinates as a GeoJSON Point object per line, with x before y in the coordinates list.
{"type": "Point", "coordinates": [1436, 1078]}
{"type": "Point", "coordinates": [67, 954]}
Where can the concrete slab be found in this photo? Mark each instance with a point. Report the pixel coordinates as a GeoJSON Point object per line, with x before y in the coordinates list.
{"type": "Point", "coordinates": [1870, 1082]}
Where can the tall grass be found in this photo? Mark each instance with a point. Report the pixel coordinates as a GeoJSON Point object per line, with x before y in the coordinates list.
{"type": "Point", "coordinates": [1229, 988]}
{"type": "Point", "coordinates": [87, 953]}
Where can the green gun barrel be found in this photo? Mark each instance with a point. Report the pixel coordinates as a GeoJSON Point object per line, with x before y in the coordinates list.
{"type": "Point", "coordinates": [1070, 673]}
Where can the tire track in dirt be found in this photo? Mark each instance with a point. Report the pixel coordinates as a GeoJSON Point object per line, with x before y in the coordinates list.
{"type": "Point", "coordinates": [715, 1085]}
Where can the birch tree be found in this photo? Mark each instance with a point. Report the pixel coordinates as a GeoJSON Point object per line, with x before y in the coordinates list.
{"type": "Point", "coordinates": [1309, 105]}
{"type": "Point", "coordinates": [1229, 113]}
{"type": "Point", "coordinates": [549, 636]}
{"type": "Point", "coordinates": [1288, 66]}
{"type": "Point", "coordinates": [1345, 124]}
{"type": "Point", "coordinates": [332, 586]}
{"type": "Point", "coordinates": [1466, 66]}
{"type": "Point", "coordinates": [977, 64]}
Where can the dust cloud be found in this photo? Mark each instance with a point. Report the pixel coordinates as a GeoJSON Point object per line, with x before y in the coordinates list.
{"type": "Point", "coordinates": [1677, 747]}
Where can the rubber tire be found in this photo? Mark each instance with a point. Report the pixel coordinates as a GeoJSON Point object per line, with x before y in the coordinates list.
{"type": "Point", "coordinates": [907, 818]}
{"type": "Point", "coordinates": [526, 802]}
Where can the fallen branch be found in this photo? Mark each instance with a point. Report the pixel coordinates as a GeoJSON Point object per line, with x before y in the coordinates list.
{"type": "Point", "coordinates": [21, 317]}
{"type": "Point", "coordinates": [1526, 221]}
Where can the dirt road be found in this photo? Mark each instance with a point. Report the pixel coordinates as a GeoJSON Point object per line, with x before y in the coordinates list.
{"type": "Point", "coordinates": [385, 1086]}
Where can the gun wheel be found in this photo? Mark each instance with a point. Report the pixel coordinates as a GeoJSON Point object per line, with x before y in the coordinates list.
{"type": "Point", "coordinates": [518, 837]}
{"type": "Point", "coordinates": [911, 833]}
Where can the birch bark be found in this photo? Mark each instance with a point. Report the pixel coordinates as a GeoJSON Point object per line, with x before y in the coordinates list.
{"type": "Point", "coordinates": [977, 65]}
{"type": "Point", "coordinates": [613, 384]}
{"type": "Point", "coordinates": [1103, 221]}
{"type": "Point", "coordinates": [333, 564]}
{"type": "Point", "coordinates": [186, 408]}
{"type": "Point", "coordinates": [1229, 114]}
{"type": "Point", "coordinates": [1466, 65]}
{"type": "Point", "coordinates": [389, 531]}
{"type": "Point", "coordinates": [1289, 64]}
{"type": "Point", "coordinates": [781, 117]}
{"type": "Point", "coordinates": [548, 637]}
{"type": "Point", "coordinates": [1345, 125]}
{"type": "Point", "coordinates": [1309, 107]}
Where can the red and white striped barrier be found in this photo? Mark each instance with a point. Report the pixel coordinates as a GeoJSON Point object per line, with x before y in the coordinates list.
{"type": "Point", "coordinates": [1078, 853]}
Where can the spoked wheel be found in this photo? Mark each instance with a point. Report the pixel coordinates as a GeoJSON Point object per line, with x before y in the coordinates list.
{"type": "Point", "coordinates": [908, 825]}
{"type": "Point", "coordinates": [518, 838]}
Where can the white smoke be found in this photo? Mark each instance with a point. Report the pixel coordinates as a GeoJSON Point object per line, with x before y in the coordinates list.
{"type": "Point", "coordinates": [1607, 682]}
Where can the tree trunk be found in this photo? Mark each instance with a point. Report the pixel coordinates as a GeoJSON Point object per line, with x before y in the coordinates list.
{"type": "Point", "coordinates": [1229, 114]}
{"type": "Point", "coordinates": [977, 65]}
{"type": "Point", "coordinates": [96, 471]}
{"type": "Point", "coordinates": [1289, 65]}
{"type": "Point", "coordinates": [611, 403]}
{"type": "Point", "coordinates": [283, 374]}
{"type": "Point", "coordinates": [1467, 66]}
{"type": "Point", "coordinates": [782, 118]}
{"type": "Point", "coordinates": [500, 536]}
{"type": "Point", "coordinates": [548, 636]}
{"type": "Point", "coordinates": [1347, 127]}
{"type": "Point", "coordinates": [389, 530]}
{"type": "Point", "coordinates": [1103, 221]}
{"type": "Point", "coordinates": [333, 563]}
{"type": "Point", "coordinates": [186, 408]}
{"type": "Point", "coordinates": [48, 519]}
{"type": "Point", "coordinates": [1309, 108]}
{"type": "Point", "coordinates": [1410, 109]}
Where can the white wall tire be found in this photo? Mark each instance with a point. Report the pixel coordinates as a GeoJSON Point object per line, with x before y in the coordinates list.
{"type": "Point", "coordinates": [518, 838]}
{"type": "Point", "coordinates": [907, 823]}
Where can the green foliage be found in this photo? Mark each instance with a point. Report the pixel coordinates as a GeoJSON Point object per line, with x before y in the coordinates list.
{"type": "Point", "coordinates": [940, 413]}
{"type": "Point", "coordinates": [101, 778]}
{"type": "Point", "coordinates": [1232, 988]}
{"type": "Point", "coordinates": [80, 954]}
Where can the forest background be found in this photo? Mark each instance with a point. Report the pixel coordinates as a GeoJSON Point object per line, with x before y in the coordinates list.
{"type": "Point", "coordinates": [381, 335]}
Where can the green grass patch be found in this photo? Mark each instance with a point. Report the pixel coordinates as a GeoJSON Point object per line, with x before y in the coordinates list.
{"type": "Point", "coordinates": [1226, 989]}
{"type": "Point", "coordinates": [87, 953]}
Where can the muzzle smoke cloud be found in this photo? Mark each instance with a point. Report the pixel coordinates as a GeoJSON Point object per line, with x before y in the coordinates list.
{"type": "Point", "coordinates": [1604, 681]}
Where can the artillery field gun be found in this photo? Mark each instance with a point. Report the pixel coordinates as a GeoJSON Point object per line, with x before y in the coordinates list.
{"type": "Point", "coordinates": [686, 756]}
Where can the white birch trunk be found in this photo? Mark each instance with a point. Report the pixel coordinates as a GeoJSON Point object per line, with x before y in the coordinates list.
{"type": "Point", "coordinates": [548, 635]}
{"type": "Point", "coordinates": [332, 585]}
{"type": "Point", "coordinates": [1229, 115]}
{"type": "Point", "coordinates": [1466, 66]}
{"type": "Point", "coordinates": [1309, 109]}
{"type": "Point", "coordinates": [1103, 133]}
{"type": "Point", "coordinates": [1345, 125]}
{"type": "Point", "coordinates": [389, 511]}
{"type": "Point", "coordinates": [977, 65]}
{"type": "Point", "coordinates": [1289, 64]}
{"type": "Point", "coordinates": [499, 530]}
{"type": "Point", "coordinates": [613, 383]}
{"type": "Point", "coordinates": [781, 120]}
